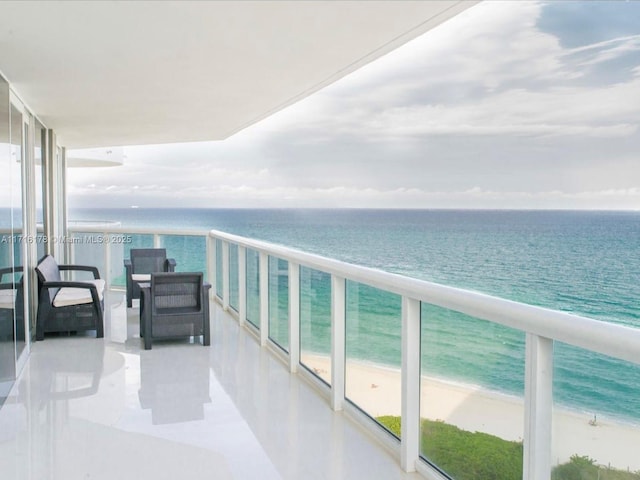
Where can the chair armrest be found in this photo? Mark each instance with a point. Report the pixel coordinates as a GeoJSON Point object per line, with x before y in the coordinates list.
{"type": "Point", "coordinates": [84, 268]}
{"type": "Point", "coordinates": [63, 284]}
{"type": "Point", "coordinates": [206, 290]}
{"type": "Point", "coordinates": [92, 288]}
{"type": "Point", "coordinates": [9, 271]}
{"type": "Point", "coordinates": [170, 265]}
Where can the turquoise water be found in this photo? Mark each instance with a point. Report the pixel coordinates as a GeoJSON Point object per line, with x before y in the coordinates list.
{"type": "Point", "coordinates": [581, 262]}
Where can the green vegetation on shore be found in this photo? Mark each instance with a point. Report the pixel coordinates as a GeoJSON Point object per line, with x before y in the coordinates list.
{"type": "Point", "coordinates": [467, 455]}
{"type": "Point", "coordinates": [585, 468]}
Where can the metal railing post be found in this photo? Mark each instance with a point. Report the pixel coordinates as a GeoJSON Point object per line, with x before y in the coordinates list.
{"type": "Point", "coordinates": [410, 378]}
{"type": "Point", "coordinates": [264, 298]}
{"type": "Point", "coordinates": [338, 304]}
{"type": "Point", "coordinates": [294, 316]}
{"type": "Point", "coordinates": [107, 259]}
{"type": "Point", "coordinates": [538, 405]}
{"type": "Point", "coordinates": [211, 263]}
{"type": "Point", "coordinates": [242, 285]}
{"type": "Point", "coordinates": [225, 275]}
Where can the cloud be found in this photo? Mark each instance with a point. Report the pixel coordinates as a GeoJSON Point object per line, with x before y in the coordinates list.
{"type": "Point", "coordinates": [493, 109]}
{"type": "Point", "coordinates": [498, 76]}
{"type": "Point", "coordinates": [403, 197]}
{"type": "Point", "coordinates": [557, 111]}
{"type": "Point", "coordinates": [605, 51]}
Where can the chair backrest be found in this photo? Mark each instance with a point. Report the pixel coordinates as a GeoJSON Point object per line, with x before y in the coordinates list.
{"type": "Point", "coordinates": [176, 292]}
{"type": "Point", "coordinates": [148, 260]}
{"type": "Point", "coordinates": [48, 271]}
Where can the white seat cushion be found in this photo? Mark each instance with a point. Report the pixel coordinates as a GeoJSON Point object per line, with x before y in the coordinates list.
{"type": "Point", "coordinates": [141, 277]}
{"type": "Point", "coordinates": [7, 298]}
{"type": "Point", "coordinates": [77, 296]}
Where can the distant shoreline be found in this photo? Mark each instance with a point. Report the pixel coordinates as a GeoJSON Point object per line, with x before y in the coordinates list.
{"type": "Point", "coordinates": [377, 390]}
{"type": "Point", "coordinates": [372, 209]}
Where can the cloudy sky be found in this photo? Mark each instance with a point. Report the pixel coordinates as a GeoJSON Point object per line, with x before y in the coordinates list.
{"type": "Point", "coordinates": [508, 105]}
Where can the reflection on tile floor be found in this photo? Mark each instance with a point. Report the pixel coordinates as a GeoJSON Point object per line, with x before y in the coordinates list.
{"type": "Point", "coordinates": [87, 408]}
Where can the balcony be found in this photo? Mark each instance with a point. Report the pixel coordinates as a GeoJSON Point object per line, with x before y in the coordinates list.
{"type": "Point", "coordinates": [313, 363]}
{"type": "Point", "coordinates": [84, 408]}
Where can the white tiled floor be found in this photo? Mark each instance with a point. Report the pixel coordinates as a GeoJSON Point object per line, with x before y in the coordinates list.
{"type": "Point", "coordinates": [87, 408]}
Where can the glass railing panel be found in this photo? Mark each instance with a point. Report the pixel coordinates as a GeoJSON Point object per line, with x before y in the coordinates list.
{"type": "Point", "coordinates": [219, 275]}
{"type": "Point", "coordinates": [40, 245]}
{"type": "Point", "coordinates": [233, 276]}
{"type": "Point", "coordinates": [471, 396]}
{"type": "Point", "coordinates": [90, 248]}
{"type": "Point", "coordinates": [279, 302]}
{"type": "Point", "coordinates": [596, 416]}
{"type": "Point", "coordinates": [253, 287]}
{"type": "Point", "coordinates": [189, 252]}
{"type": "Point", "coordinates": [6, 248]}
{"type": "Point", "coordinates": [131, 240]}
{"type": "Point", "coordinates": [315, 322]}
{"type": "Point", "coordinates": [373, 353]}
{"type": "Point", "coordinates": [10, 248]}
{"type": "Point", "coordinates": [137, 240]}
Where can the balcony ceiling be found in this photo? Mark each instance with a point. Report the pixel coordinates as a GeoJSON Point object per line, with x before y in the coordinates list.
{"type": "Point", "coordinates": [133, 73]}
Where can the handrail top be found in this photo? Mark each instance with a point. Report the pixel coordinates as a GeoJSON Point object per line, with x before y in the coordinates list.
{"type": "Point", "coordinates": [611, 339]}
{"type": "Point", "coordinates": [136, 230]}
{"type": "Point", "coordinates": [615, 340]}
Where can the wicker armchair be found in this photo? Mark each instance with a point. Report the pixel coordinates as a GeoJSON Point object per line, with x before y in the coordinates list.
{"type": "Point", "coordinates": [144, 262]}
{"type": "Point", "coordinates": [175, 305]}
{"type": "Point", "coordinates": [66, 306]}
{"type": "Point", "coordinates": [11, 302]}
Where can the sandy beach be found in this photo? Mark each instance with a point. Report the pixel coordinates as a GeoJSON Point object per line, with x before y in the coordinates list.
{"type": "Point", "coordinates": [376, 389]}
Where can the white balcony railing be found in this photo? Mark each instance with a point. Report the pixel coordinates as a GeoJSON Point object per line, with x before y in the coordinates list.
{"type": "Point", "coordinates": [226, 264]}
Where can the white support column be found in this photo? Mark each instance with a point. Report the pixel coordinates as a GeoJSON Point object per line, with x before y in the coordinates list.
{"type": "Point", "coordinates": [264, 298]}
{"type": "Point", "coordinates": [60, 244]}
{"type": "Point", "coordinates": [63, 200]}
{"type": "Point", "coordinates": [48, 154]}
{"type": "Point", "coordinates": [338, 305]}
{"type": "Point", "coordinates": [225, 275]}
{"type": "Point", "coordinates": [211, 263]}
{"type": "Point", "coordinates": [294, 316]}
{"type": "Point", "coordinates": [410, 426]}
{"type": "Point", "coordinates": [242, 285]}
{"type": "Point", "coordinates": [55, 201]}
{"type": "Point", "coordinates": [538, 405]}
{"type": "Point", "coordinates": [107, 259]}
{"type": "Point", "coordinates": [29, 231]}
{"type": "Point", "coordinates": [70, 255]}
{"type": "Point", "coordinates": [156, 241]}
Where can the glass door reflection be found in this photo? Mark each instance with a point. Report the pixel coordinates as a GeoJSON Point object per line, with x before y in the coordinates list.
{"type": "Point", "coordinates": [7, 298]}
{"type": "Point", "coordinates": [17, 138]}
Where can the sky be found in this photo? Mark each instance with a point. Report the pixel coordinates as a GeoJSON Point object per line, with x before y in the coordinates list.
{"type": "Point", "coordinates": [508, 105]}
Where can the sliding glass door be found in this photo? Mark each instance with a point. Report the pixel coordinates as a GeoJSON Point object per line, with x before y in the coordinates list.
{"type": "Point", "coordinates": [22, 140]}
{"type": "Point", "coordinates": [7, 281]}
{"type": "Point", "coordinates": [18, 140]}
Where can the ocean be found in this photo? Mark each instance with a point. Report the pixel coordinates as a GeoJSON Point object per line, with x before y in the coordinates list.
{"type": "Point", "coordinates": [583, 262]}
